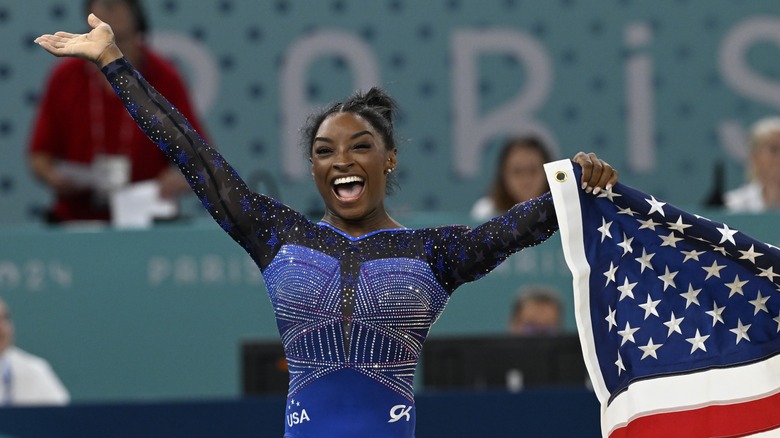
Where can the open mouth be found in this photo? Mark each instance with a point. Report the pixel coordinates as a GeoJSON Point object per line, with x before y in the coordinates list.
{"type": "Point", "coordinates": [348, 188]}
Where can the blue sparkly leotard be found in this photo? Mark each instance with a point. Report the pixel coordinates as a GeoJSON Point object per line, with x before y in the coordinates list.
{"type": "Point", "coordinates": [352, 312]}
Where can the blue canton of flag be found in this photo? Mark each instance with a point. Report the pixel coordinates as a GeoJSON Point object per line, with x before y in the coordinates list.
{"type": "Point", "coordinates": [678, 315]}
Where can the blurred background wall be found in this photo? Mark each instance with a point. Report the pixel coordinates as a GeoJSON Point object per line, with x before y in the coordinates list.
{"type": "Point", "coordinates": [663, 93]}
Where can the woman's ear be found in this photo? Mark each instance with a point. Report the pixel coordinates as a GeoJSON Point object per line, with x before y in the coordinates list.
{"type": "Point", "coordinates": [392, 160]}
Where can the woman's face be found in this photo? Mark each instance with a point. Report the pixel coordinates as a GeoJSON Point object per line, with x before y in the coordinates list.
{"type": "Point", "coordinates": [349, 163]}
{"type": "Point", "coordinates": [524, 177]}
{"type": "Point", "coordinates": [766, 160]}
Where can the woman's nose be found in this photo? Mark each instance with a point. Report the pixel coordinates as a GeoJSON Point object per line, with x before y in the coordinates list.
{"type": "Point", "coordinates": [342, 166]}
{"type": "Point", "coordinates": [343, 162]}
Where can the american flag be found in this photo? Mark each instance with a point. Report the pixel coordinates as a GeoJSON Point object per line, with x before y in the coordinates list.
{"type": "Point", "coordinates": [678, 315]}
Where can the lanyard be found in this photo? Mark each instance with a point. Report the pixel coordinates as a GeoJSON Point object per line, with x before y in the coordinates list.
{"type": "Point", "coordinates": [97, 120]}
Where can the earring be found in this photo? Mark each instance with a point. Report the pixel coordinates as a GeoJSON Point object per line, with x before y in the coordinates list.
{"type": "Point", "coordinates": [389, 171]}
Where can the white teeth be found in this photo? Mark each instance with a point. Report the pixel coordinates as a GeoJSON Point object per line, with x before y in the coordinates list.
{"type": "Point", "coordinates": [347, 179]}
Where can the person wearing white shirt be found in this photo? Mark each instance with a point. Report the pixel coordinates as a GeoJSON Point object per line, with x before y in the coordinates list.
{"type": "Point", "coordinates": [762, 191]}
{"type": "Point", "coordinates": [25, 379]}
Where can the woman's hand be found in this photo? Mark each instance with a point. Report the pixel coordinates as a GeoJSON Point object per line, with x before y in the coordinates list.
{"type": "Point", "coordinates": [97, 46]}
{"type": "Point", "coordinates": [597, 174]}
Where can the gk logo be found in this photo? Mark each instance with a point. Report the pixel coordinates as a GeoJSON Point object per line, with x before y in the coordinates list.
{"type": "Point", "coordinates": [398, 412]}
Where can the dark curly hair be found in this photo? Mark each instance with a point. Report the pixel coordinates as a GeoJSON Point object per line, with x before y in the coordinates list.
{"type": "Point", "coordinates": [375, 106]}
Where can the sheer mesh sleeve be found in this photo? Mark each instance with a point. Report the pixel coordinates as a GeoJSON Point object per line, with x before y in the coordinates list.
{"type": "Point", "coordinates": [460, 254]}
{"type": "Point", "coordinates": [257, 222]}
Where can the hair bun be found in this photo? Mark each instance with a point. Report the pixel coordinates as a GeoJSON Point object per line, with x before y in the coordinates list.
{"type": "Point", "coordinates": [378, 100]}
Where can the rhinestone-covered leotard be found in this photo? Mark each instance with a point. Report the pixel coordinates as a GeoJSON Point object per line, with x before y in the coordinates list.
{"type": "Point", "coordinates": [352, 312]}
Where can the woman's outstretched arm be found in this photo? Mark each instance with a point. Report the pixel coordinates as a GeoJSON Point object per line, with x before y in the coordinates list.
{"type": "Point", "coordinates": [251, 219]}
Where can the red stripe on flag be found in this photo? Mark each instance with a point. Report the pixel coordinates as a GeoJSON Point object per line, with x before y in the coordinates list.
{"type": "Point", "coordinates": [732, 420]}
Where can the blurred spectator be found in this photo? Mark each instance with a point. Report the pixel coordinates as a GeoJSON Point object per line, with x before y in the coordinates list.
{"type": "Point", "coordinates": [762, 191]}
{"type": "Point", "coordinates": [537, 310]}
{"type": "Point", "coordinates": [519, 176]}
{"type": "Point", "coordinates": [25, 379]}
{"type": "Point", "coordinates": [84, 144]}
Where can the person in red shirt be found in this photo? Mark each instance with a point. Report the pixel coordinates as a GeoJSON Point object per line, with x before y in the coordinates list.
{"type": "Point", "coordinates": [100, 126]}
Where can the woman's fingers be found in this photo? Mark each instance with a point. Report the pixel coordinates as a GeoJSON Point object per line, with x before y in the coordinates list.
{"type": "Point", "coordinates": [597, 174]}
{"type": "Point", "coordinates": [94, 21]}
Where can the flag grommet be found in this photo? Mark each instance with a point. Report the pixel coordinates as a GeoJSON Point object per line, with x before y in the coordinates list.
{"type": "Point", "coordinates": [561, 176]}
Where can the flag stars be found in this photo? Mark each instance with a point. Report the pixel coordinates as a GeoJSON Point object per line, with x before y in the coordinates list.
{"type": "Point", "coordinates": [649, 224]}
{"type": "Point", "coordinates": [626, 244]}
{"type": "Point", "coordinates": [611, 318]}
{"type": "Point", "coordinates": [735, 287]}
{"type": "Point", "coordinates": [644, 261]}
{"type": "Point", "coordinates": [691, 296]}
{"type": "Point", "coordinates": [610, 274]}
{"type": "Point", "coordinates": [714, 270]}
{"type": "Point", "coordinates": [609, 194]}
{"type": "Point", "coordinates": [650, 306]}
{"type": "Point", "coordinates": [697, 342]}
{"type": "Point", "coordinates": [741, 331]}
{"type": "Point", "coordinates": [668, 278]}
{"type": "Point", "coordinates": [670, 240]}
{"type": "Point", "coordinates": [727, 234]}
{"type": "Point", "coordinates": [678, 226]}
{"type": "Point", "coordinates": [627, 334]}
{"type": "Point", "coordinates": [656, 206]}
{"type": "Point", "coordinates": [750, 255]}
{"type": "Point", "coordinates": [627, 211]}
{"type": "Point", "coordinates": [627, 290]}
{"type": "Point", "coordinates": [674, 325]}
{"type": "Point", "coordinates": [720, 249]}
{"type": "Point", "coordinates": [716, 313]}
{"type": "Point", "coordinates": [768, 273]}
{"type": "Point", "coordinates": [604, 229]}
{"type": "Point", "coordinates": [619, 363]}
{"type": "Point", "coordinates": [692, 255]}
{"type": "Point", "coordinates": [759, 304]}
{"type": "Point", "coordinates": [649, 349]}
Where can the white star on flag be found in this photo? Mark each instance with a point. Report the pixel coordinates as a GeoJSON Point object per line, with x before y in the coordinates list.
{"type": "Point", "coordinates": [604, 229]}
{"type": "Point", "coordinates": [716, 313]}
{"type": "Point", "coordinates": [741, 331]}
{"type": "Point", "coordinates": [735, 287]}
{"type": "Point", "coordinates": [690, 296]}
{"type": "Point", "coordinates": [674, 325]}
{"type": "Point", "coordinates": [644, 261]}
{"type": "Point", "coordinates": [668, 278]}
{"type": "Point", "coordinates": [627, 334]}
{"type": "Point", "coordinates": [727, 234]}
{"type": "Point", "coordinates": [759, 303]}
{"type": "Point", "coordinates": [697, 342]}
{"type": "Point", "coordinates": [656, 205]}
{"type": "Point", "coordinates": [626, 244]}
{"type": "Point", "coordinates": [626, 290]}
{"type": "Point", "coordinates": [649, 349]}
{"type": "Point", "coordinates": [678, 226]}
{"type": "Point", "coordinates": [750, 254]}
{"type": "Point", "coordinates": [650, 306]}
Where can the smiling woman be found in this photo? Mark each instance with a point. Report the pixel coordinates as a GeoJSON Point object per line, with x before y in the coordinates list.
{"type": "Point", "coordinates": [355, 294]}
{"type": "Point", "coordinates": [352, 155]}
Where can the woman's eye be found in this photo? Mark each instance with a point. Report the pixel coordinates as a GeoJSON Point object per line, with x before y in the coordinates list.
{"type": "Point", "coordinates": [362, 146]}
{"type": "Point", "coordinates": [322, 150]}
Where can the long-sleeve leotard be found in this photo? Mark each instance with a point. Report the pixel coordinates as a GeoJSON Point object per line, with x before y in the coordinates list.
{"type": "Point", "coordinates": [352, 312]}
